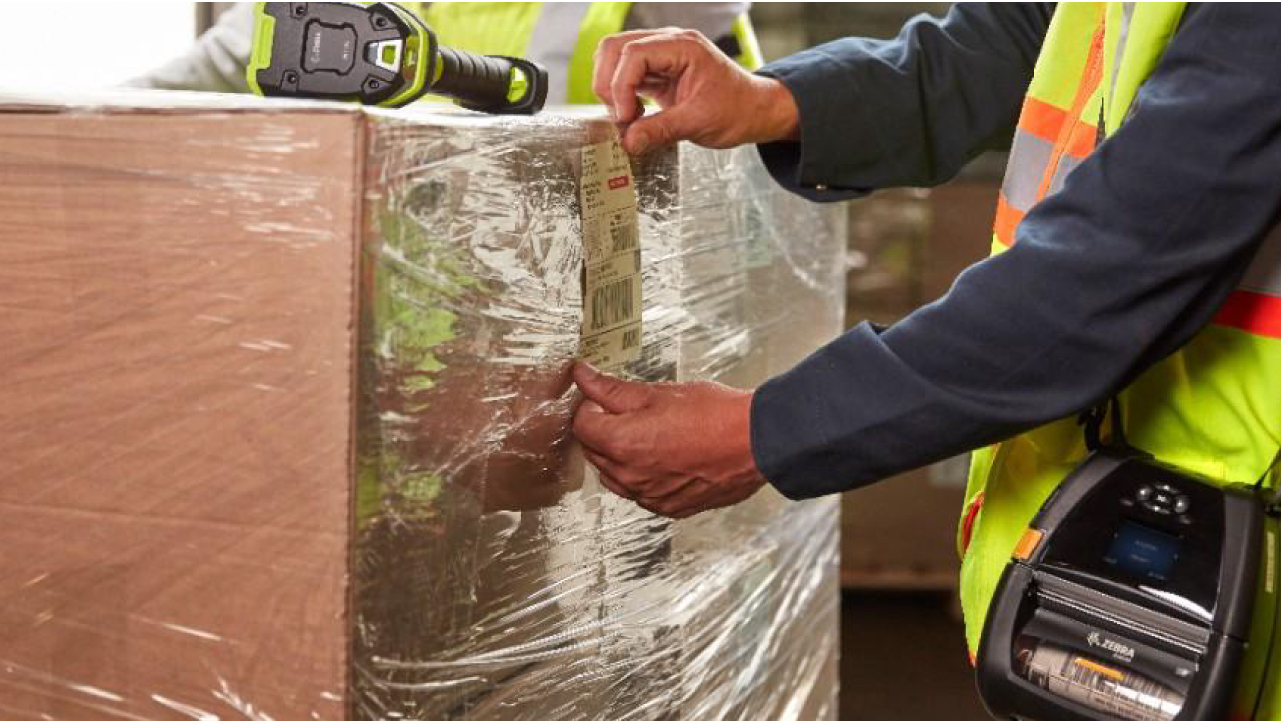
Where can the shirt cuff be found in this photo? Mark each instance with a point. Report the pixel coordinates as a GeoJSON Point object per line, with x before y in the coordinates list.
{"type": "Point", "coordinates": [801, 166]}
{"type": "Point", "coordinates": [829, 424]}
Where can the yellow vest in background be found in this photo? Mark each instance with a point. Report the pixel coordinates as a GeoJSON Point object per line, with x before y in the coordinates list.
{"type": "Point", "coordinates": [563, 36]}
{"type": "Point", "coordinates": [1214, 407]}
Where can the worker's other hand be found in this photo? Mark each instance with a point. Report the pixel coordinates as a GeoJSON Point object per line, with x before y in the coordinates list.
{"type": "Point", "coordinates": [705, 96]}
{"type": "Point", "coordinates": [676, 449]}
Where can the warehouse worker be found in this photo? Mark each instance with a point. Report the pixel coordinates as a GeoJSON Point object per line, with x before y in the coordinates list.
{"type": "Point", "coordinates": [561, 37]}
{"type": "Point", "coordinates": [1136, 253]}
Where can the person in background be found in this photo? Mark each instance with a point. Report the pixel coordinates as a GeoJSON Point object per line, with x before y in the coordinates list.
{"type": "Point", "coordinates": [561, 37]}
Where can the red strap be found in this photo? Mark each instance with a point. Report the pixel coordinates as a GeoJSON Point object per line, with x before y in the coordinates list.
{"type": "Point", "coordinates": [967, 523]}
{"type": "Point", "coordinates": [1252, 312]}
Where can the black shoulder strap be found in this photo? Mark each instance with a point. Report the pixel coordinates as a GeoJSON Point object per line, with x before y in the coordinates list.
{"type": "Point", "coordinates": [1092, 419]}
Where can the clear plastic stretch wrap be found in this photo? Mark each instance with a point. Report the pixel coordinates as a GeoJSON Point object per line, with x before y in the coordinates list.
{"type": "Point", "coordinates": [284, 426]}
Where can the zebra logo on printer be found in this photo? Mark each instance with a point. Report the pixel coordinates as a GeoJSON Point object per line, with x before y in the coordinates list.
{"type": "Point", "coordinates": [1119, 651]}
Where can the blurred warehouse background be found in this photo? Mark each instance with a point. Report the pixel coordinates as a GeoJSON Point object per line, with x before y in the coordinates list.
{"type": "Point", "coordinates": [903, 652]}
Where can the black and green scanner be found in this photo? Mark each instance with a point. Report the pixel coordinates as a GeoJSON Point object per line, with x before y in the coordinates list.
{"type": "Point", "coordinates": [380, 54]}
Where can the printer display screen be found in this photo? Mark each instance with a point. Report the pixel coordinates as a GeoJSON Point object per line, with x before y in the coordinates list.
{"type": "Point", "coordinates": [1142, 552]}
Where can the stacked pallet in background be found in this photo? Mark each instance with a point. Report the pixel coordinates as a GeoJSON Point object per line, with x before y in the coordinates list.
{"type": "Point", "coordinates": [907, 247]}
{"type": "Point", "coordinates": [285, 423]}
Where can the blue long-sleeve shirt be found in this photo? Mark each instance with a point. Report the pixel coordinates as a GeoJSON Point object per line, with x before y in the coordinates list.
{"type": "Point", "coordinates": [1120, 268]}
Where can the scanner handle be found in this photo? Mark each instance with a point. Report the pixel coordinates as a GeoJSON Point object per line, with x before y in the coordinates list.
{"type": "Point", "coordinates": [490, 83]}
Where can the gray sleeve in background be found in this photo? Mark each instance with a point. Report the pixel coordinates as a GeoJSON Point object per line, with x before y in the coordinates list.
{"type": "Point", "coordinates": [216, 62]}
{"type": "Point", "coordinates": [712, 19]}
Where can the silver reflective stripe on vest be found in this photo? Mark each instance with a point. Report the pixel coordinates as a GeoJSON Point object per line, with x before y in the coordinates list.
{"type": "Point", "coordinates": [1023, 173]}
{"type": "Point", "coordinates": [1029, 155]}
{"type": "Point", "coordinates": [1067, 164]}
{"type": "Point", "coordinates": [552, 44]}
{"type": "Point", "coordinates": [1127, 14]}
{"type": "Point", "coordinates": [1264, 274]}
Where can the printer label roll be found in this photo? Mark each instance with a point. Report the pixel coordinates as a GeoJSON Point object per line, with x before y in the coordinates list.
{"type": "Point", "coordinates": [1098, 684]}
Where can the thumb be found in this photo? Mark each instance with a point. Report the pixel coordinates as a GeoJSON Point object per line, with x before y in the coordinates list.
{"type": "Point", "coordinates": [612, 394]}
{"type": "Point", "coordinates": [663, 128]}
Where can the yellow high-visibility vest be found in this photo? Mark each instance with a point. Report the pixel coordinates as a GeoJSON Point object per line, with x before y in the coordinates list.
{"type": "Point", "coordinates": [561, 36]}
{"type": "Point", "coordinates": [1214, 407]}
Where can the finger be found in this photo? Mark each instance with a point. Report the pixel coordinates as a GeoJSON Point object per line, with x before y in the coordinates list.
{"type": "Point", "coordinates": [606, 61]}
{"type": "Point", "coordinates": [598, 430]}
{"type": "Point", "coordinates": [615, 487]}
{"type": "Point", "coordinates": [616, 471]}
{"type": "Point", "coordinates": [654, 86]}
{"type": "Point", "coordinates": [666, 488]}
{"type": "Point", "coordinates": [687, 512]}
{"type": "Point", "coordinates": [678, 498]}
{"type": "Point", "coordinates": [663, 128]}
{"type": "Point", "coordinates": [653, 507]}
{"type": "Point", "coordinates": [613, 394]}
{"type": "Point", "coordinates": [692, 502]}
{"type": "Point", "coordinates": [661, 54]}
{"type": "Point", "coordinates": [675, 507]}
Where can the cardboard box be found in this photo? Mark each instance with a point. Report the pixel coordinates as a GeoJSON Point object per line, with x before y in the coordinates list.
{"type": "Point", "coordinates": [286, 407]}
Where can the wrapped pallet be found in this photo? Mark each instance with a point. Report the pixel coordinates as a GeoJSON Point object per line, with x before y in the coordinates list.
{"type": "Point", "coordinates": [285, 421]}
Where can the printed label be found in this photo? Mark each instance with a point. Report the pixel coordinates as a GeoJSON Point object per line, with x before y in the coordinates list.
{"type": "Point", "coordinates": [611, 332]}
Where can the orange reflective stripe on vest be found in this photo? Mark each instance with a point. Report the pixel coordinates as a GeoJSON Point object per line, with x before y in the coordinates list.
{"type": "Point", "coordinates": [1049, 143]}
{"type": "Point", "coordinates": [1076, 134]}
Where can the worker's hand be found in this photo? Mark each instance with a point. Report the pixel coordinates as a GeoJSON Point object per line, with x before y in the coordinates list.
{"type": "Point", "coordinates": [705, 96]}
{"type": "Point", "coordinates": [675, 448]}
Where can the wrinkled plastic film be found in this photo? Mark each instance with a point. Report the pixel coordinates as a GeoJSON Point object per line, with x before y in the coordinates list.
{"type": "Point", "coordinates": [563, 601]}
{"type": "Point", "coordinates": [376, 511]}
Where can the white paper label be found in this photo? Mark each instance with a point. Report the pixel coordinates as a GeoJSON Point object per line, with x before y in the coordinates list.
{"type": "Point", "coordinates": [611, 333]}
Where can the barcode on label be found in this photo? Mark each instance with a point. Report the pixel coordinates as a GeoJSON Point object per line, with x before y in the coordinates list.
{"type": "Point", "coordinates": [612, 303]}
{"type": "Point", "coordinates": [631, 339]}
{"type": "Point", "coordinates": [625, 237]}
